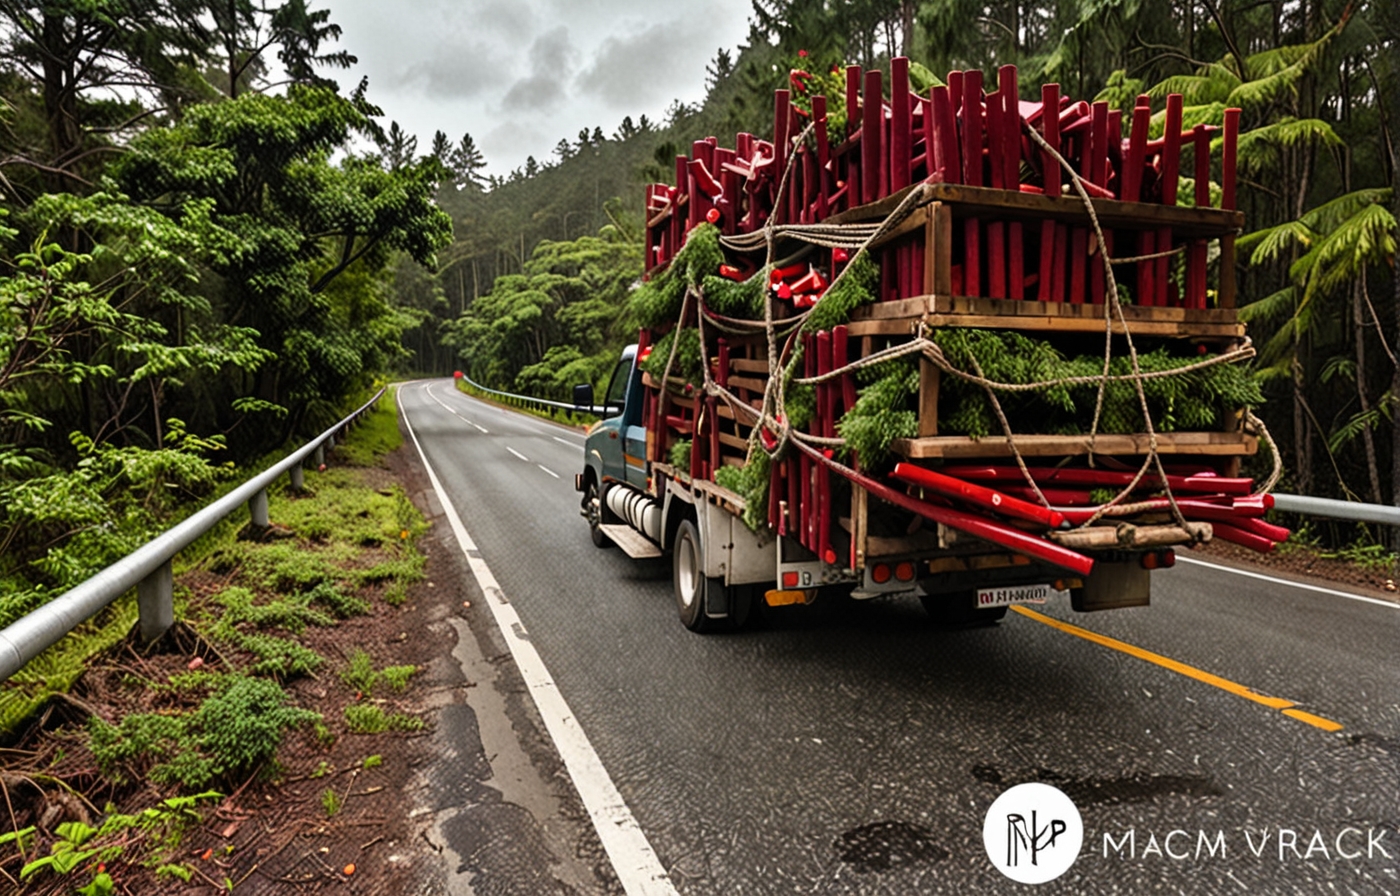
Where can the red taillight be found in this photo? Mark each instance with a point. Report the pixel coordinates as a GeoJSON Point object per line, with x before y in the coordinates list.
{"type": "Point", "coordinates": [904, 571]}
{"type": "Point", "coordinates": [1148, 561]}
{"type": "Point", "coordinates": [1167, 559]}
{"type": "Point", "coordinates": [789, 580]}
{"type": "Point", "coordinates": [829, 556]}
{"type": "Point", "coordinates": [880, 574]}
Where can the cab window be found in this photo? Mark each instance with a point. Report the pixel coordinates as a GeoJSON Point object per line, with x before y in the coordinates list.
{"type": "Point", "coordinates": [617, 387]}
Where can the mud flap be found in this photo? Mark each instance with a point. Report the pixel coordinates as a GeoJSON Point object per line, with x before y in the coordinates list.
{"type": "Point", "coordinates": [1112, 586]}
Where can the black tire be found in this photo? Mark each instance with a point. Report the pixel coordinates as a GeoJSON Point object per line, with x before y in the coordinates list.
{"type": "Point", "coordinates": [689, 581]}
{"type": "Point", "coordinates": [593, 512]}
{"type": "Point", "coordinates": [958, 609]}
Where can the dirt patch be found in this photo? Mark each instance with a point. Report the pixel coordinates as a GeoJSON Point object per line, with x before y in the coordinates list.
{"type": "Point", "coordinates": [1305, 563]}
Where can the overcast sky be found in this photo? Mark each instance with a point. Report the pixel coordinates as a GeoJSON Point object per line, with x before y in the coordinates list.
{"type": "Point", "coordinates": [520, 74]}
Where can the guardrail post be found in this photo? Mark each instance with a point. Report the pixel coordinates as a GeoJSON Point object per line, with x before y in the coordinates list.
{"type": "Point", "coordinates": [257, 509]}
{"type": "Point", "coordinates": [298, 477]}
{"type": "Point", "coordinates": [155, 601]}
{"type": "Point", "coordinates": [318, 457]}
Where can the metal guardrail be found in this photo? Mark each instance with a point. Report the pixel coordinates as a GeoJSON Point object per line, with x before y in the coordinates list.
{"type": "Point", "coordinates": [1328, 507]}
{"type": "Point", "coordinates": [148, 568]}
{"type": "Point", "coordinates": [1340, 510]}
{"type": "Point", "coordinates": [541, 403]}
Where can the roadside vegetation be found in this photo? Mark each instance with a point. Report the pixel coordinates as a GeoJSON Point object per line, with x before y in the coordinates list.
{"type": "Point", "coordinates": [264, 674]}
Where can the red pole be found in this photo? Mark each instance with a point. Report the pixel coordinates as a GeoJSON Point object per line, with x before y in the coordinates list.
{"type": "Point", "coordinates": [1227, 159]}
{"type": "Point", "coordinates": [946, 134]}
{"type": "Point", "coordinates": [996, 229]}
{"type": "Point", "coordinates": [875, 179]}
{"type": "Point", "coordinates": [823, 156]}
{"type": "Point", "coordinates": [901, 124]}
{"type": "Point", "coordinates": [1201, 136]}
{"type": "Point", "coordinates": [1011, 158]}
{"type": "Point", "coordinates": [981, 527]}
{"type": "Point", "coordinates": [972, 176]}
{"type": "Point", "coordinates": [1050, 183]}
{"type": "Point", "coordinates": [782, 118]}
{"type": "Point", "coordinates": [826, 408]}
{"type": "Point", "coordinates": [989, 499]}
{"type": "Point", "coordinates": [1098, 175]}
{"type": "Point", "coordinates": [1171, 167]}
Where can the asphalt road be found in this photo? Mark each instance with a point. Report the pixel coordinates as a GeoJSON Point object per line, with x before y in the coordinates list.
{"type": "Point", "coordinates": [855, 747]}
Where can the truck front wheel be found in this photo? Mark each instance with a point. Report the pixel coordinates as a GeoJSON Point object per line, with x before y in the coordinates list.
{"type": "Point", "coordinates": [688, 577]}
{"type": "Point", "coordinates": [593, 512]}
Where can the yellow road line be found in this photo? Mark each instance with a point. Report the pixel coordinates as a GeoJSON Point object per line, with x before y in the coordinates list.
{"type": "Point", "coordinates": [1181, 668]}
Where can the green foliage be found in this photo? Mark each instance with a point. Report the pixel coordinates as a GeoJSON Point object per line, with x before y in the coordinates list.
{"type": "Point", "coordinates": [686, 368]}
{"type": "Point", "coordinates": [858, 287]}
{"type": "Point", "coordinates": [541, 331]}
{"type": "Point", "coordinates": [680, 454]}
{"type": "Point", "coordinates": [359, 674]}
{"type": "Point", "coordinates": [396, 677]}
{"type": "Point", "coordinates": [372, 761]}
{"type": "Point", "coordinates": [751, 483]}
{"type": "Point", "coordinates": [367, 718]}
{"type": "Point", "coordinates": [657, 303]}
{"type": "Point", "coordinates": [735, 299]}
{"type": "Point", "coordinates": [376, 435]}
{"type": "Point", "coordinates": [1189, 401]}
{"type": "Point", "coordinates": [881, 413]}
{"type": "Point", "coordinates": [330, 802]}
{"type": "Point", "coordinates": [235, 729]}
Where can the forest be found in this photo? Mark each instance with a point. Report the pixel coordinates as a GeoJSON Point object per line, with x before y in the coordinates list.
{"type": "Point", "coordinates": [211, 247]}
{"type": "Point", "coordinates": [524, 294]}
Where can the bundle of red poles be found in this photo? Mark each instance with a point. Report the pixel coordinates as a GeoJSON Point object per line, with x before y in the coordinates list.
{"type": "Point", "coordinates": [959, 134]}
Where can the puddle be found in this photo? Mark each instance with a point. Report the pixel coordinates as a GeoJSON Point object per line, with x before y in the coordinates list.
{"type": "Point", "coordinates": [888, 844]}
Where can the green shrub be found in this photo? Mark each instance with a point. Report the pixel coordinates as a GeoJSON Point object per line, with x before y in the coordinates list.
{"type": "Point", "coordinates": [359, 674]}
{"type": "Point", "coordinates": [234, 730]}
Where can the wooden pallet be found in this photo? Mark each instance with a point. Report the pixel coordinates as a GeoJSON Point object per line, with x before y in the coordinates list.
{"type": "Point", "coordinates": [1209, 444]}
{"type": "Point", "coordinates": [899, 318]}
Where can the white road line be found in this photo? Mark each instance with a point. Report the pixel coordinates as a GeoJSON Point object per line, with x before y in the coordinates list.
{"type": "Point", "coordinates": [548, 470]}
{"type": "Point", "coordinates": [632, 857]}
{"type": "Point", "coordinates": [429, 389]}
{"type": "Point", "coordinates": [1258, 575]}
{"type": "Point", "coordinates": [566, 442]}
{"type": "Point", "coordinates": [518, 454]}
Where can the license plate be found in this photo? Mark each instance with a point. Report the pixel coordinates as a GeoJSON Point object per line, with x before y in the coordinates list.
{"type": "Point", "coordinates": [1015, 594]}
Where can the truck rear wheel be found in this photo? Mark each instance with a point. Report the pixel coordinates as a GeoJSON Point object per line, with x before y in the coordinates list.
{"type": "Point", "coordinates": [688, 577]}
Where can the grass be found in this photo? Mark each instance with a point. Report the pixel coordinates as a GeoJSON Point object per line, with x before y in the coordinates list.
{"type": "Point", "coordinates": [366, 718]}
{"type": "Point", "coordinates": [359, 674]}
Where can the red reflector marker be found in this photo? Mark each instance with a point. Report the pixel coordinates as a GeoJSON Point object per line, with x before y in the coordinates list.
{"type": "Point", "coordinates": [880, 574]}
{"type": "Point", "coordinates": [789, 580]}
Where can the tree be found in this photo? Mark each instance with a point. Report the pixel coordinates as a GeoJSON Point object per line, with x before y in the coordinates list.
{"type": "Point", "coordinates": [308, 238]}
{"type": "Point", "coordinates": [466, 163]}
{"type": "Point", "coordinates": [398, 147]}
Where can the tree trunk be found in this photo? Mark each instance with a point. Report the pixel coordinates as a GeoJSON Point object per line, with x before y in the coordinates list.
{"type": "Point", "coordinates": [1368, 438]}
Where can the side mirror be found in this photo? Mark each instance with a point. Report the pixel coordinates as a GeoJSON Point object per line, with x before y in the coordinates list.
{"type": "Point", "coordinates": [583, 396]}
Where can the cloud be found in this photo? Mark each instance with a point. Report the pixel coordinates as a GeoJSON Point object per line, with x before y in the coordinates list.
{"type": "Point", "coordinates": [647, 66]}
{"type": "Point", "coordinates": [454, 56]}
{"type": "Point", "coordinates": [552, 61]}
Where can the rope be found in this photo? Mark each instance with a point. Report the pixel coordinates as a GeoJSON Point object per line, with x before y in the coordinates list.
{"type": "Point", "coordinates": [772, 415]}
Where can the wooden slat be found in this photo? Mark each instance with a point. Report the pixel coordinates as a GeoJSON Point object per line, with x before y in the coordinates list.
{"type": "Point", "coordinates": [928, 398]}
{"type": "Point", "coordinates": [976, 305]}
{"type": "Point", "coordinates": [1219, 444]}
{"type": "Point", "coordinates": [986, 202]}
{"type": "Point", "coordinates": [745, 365]}
{"type": "Point", "coordinates": [746, 382]}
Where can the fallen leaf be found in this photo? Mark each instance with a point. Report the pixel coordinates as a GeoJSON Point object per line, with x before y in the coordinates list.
{"type": "Point", "coordinates": [350, 869]}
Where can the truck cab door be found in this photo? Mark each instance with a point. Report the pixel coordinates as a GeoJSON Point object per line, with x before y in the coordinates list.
{"type": "Point", "coordinates": [607, 438]}
{"type": "Point", "coordinates": [634, 432]}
